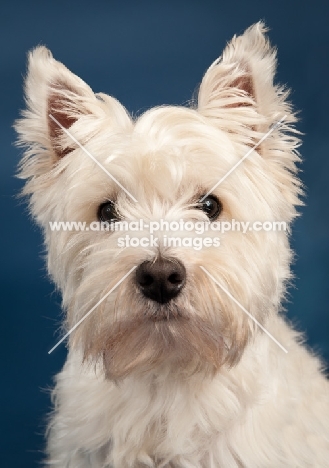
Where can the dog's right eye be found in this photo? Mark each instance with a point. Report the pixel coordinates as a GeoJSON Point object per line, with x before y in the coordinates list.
{"type": "Point", "coordinates": [107, 212]}
{"type": "Point", "coordinates": [211, 206]}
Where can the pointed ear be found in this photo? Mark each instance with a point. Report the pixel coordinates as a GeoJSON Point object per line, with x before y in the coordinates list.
{"type": "Point", "coordinates": [237, 90]}
{"type": "Point", "coordinates": [55, 97]}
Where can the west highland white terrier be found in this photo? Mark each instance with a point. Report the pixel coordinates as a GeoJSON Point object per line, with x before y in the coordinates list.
{"type": "Point", "coordinates": [178, 354]}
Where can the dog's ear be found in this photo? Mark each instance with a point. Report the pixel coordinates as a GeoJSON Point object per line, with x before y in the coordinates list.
{"type": "Point", "coordinates": [55, 99]}
{"type": "Point", "coordinates": [237, 95]}
{"type": "Point", "coordinates": [237, 90]}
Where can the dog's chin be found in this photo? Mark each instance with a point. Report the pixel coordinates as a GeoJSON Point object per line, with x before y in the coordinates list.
{"type": "Point", "coordinates": [161, 337]}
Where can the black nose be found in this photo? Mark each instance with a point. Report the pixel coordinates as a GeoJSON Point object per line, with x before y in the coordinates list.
{"type": "Point", "coordinates": [161, 280]}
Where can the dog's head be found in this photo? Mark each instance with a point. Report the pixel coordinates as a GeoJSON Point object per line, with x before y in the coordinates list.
{"type": "Point", "coordinates": [87, 161]}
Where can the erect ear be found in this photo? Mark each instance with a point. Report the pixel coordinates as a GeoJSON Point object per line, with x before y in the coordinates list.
{"type": "Point", "coordinates": [237, 91]}
{"type": "Point", "coordinates": [55, 98]}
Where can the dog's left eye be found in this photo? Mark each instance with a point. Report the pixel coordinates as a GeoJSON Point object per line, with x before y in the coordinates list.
{"type": "Point", "coordinates": [211, 206]}
{"type": "Point", "coordinates": [107, 212]}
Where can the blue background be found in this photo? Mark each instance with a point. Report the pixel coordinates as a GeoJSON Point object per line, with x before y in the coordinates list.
{"type": "Point", "coordinates": [144, 53]}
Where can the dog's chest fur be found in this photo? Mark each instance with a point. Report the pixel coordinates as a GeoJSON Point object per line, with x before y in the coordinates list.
{"type": "Point", "coordinates": [158, 422]}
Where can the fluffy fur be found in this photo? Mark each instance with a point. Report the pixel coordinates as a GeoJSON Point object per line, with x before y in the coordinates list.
{"type": "Point", "coordinates": [205, 388]}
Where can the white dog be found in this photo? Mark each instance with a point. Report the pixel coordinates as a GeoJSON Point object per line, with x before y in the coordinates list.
{"type": "Point", "coordinates": [179, 356]}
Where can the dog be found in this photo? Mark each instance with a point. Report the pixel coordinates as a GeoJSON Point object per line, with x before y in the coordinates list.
{"type": "Point", "coordinates": [178, 356]}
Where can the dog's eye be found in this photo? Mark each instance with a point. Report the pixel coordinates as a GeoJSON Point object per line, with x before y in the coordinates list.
{"type": "Point", "coordinates": [107, 212]}
{"type": "Point", "coordinates": [211, 206]}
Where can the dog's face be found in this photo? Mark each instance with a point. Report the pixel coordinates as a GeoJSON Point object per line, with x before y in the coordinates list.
{"type": "Point", "coordinates": [168, 312]}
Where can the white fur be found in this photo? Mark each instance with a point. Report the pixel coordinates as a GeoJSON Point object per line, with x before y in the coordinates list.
{"type": "Point", "coordinates": [261, 408]}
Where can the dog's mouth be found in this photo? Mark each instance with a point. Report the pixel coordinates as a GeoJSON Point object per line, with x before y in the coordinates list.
{"type": "Point", "coordinates": [164, 313]}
